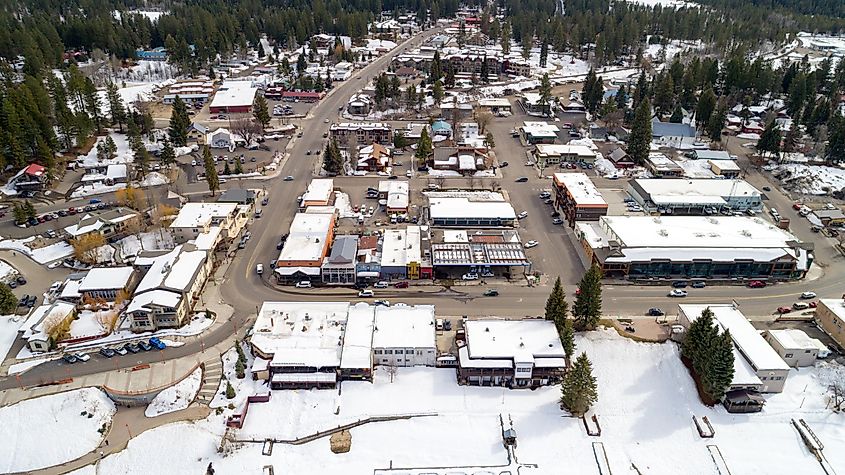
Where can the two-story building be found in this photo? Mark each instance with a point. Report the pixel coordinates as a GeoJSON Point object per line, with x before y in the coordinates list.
{"type": "Point", "coordinates": [577, 198]}
{"type": "Point", "coordinates": [195, 219]}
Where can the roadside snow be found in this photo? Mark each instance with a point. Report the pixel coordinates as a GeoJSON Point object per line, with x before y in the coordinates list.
{"type": "Point", "coordinates": [53, 429]}
{"type": "Point", "coordinates": [176, 397]}
{"type": "Point", "coordinates": [18, 368]}
{"type": "Point", "coordinates": [7, 272]}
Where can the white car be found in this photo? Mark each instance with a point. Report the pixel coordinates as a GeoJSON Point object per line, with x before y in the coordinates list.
{"type": "Point", "coordinates": [409, 174]}
{"type": "Point", "coordinates": [677, 293]}
{"type": "Point", "coordinates": [530, 244]}
{"type": "Point", "coordinates": [326, 120]}
{"type": "Point", "coordinates": [120, 350]}
{"type": "Point", "coordinates": [303, 284]}
{"type": "Point", "coordinates": [522, 215]}
{"type": "Point", "coordinates": [381, 285]}
{"type": "Point", "coordinates": [470, 276]}
{"type": "Point", "coordinates": [808, 295]}
{"type": "Point", "coordinates": [82, 356]}
{"type": "Point", "coordinates": [366, 293]}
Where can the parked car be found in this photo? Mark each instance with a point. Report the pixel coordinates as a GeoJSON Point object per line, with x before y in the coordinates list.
{"type": "Point", "coordinates": [698, 284]}
{"type": "Point", "coordinates": [132, 348]}
{"type": "Point", "coordinates": [83, 357]}
{"type": "Point", "coordinates": [265, 201]}
{"type": "Point", "coordinates": [557, 221]}
{"type": "Point", "coordinates": [545, 195]}
{"type": "Point", "coordinates": [157, 343]}
{"type": "Point", "coordinates": [521, 179]}
{"type": "Point", "coordinates": [555, 214]}
{"type": "Point", "coordinates": [677, 293]}
{"type": "Point", "coordinates": [365, 293]}
{"type": "Point", "coordinates": [289, 178]}
{"type": "Point", "coordinates": [381, 285]}
{"type": "Point", "coordinates": [107, 352]}
{"type": "Point", "coordinates": [522, 215]}
{"type": "Point", "coordinates": [756, 284]}
{"type": "Point", "coordinates": [22, 302]}
{"type": "Point", "coordinates": [503, 164]}
{"type": "Point", "coordinates": [655, 312]}
{"type": "Point", "coordinates": [800, 305]}
{"type": "Point", "coordinates": [531, 243]}
{"type": "Point", "coordinates": [782, 310]}
{"type": "Point", "coordinates": [31, 301]}
{"type": "Point", "coordinates": [470, 276]}
{"type": "Point", "coordinates": [259, 269]}
{"type": "Point", "coordinates": [70, 359]}
{"type": "Point", "coordinates": [808, 295]}
{"type": "Point", "coordinates": [381, 303]}
{"type": "Point", "coordinates": [144, 346]}
{"type": "Point", "coordinates": [401, 285]}
{"type": "Point", "coordinates": [491, 293]}
{"type": "Point", "coordinates": [119, 350]}
{"type": "Point", "coordinates": [679, 284]}
{"type": "Point", "coordinates": [303, 284]}
{"type": "Point", "coordinates": [447, 325]}
{"type": "Point", "coordinates": [21, 280]}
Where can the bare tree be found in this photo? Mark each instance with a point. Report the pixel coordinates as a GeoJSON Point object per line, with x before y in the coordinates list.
{"type": "Point", "coordinates": [440, 181]}
{"type": "Point", "coordinates": [392, 370]}
{"type": "Point", "coordinates": [246, 127]}
{"type": "Point", "coordinates": [833, 374]}
{"type": "Point", "coordinates": [471, 181]}
{"type": "Point", "coordinates": [483, 119]}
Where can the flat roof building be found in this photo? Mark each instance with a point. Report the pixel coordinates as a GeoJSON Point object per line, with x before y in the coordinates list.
{"type": "Point", "coordinates": [757, 366]}
{"type": "Point", "coordinates": [512, 353]}
{"type": "Point", "coordinates": [309, 240]}
{"type": "Point", "coordinates": [470, 208]}
{"type": "Point", "coordinates": [718, 247]}
{"type": "Point", "coordinates": [546, 154]}
{"type": "Point", "coordinates": [404, 335]}
{"type": "Point", "coordinates": [578, 198]}
{"type": "Point", "coordinates": [319, 193]}
{"type": "Point", "coordinates": [662, 166]}
{"type": "Point", "coordinates": [830, 316]}
{"type": "Point", "coordinates": [539, 132]}
{"type": "Point", "coordinates": [694, 196]}
{"type": "Point", "coordinates": [397, 195]}
{"type": "Point", "coordinates": [233, 97]}
{"type": "Point", "coordinates": [793, 346]}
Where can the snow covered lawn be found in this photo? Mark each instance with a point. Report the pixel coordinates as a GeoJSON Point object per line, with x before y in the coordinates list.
{"type": "Point", "coordinates": [646, 404]}
{"type": "Point", "coordinates": [50, 430]}
{"type": "Point", "coordinates": [154, 179]}
{"type": "Point", "coordinates": [176, 397]}
{"type": "Point", "coordinates": [96, 189]}
{"type": "Point", "coordinates": [7, 272]}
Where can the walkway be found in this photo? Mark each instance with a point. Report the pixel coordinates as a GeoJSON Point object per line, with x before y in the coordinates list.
{"type": "Point", "coordinates": [211, 377]}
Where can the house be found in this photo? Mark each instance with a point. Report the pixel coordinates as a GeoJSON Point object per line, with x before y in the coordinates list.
{"type": "Point", "coordinates": [169, 289]}
{"type": "Point", "coordinates": [113, 224]}
{"type": "Point", "coordinates": [197, 218]}
{"type": "Point", "coordinates": [403, 335]}
{"type": "Point", "coordinates": [574, 107]}
{"type": "Point", "coordinates": [695, 196]}
{"type": "Point", "coordinates": [238, 196]}
{"type": "Point", "coordinates": [620, 158]}
{"type": "Point", "coordinates": [413, 132]}
{"type": "Point", "coordinates": [220, 138]}
{"type": "Point", "coordinates": [510, 353]}
{"type": "Point", "coordinates": [531, 102]}
{"type": "Point", "coordinates": [407, 72]}
{"type": "Point", "coordinates": [496, 105]}
{"type": "Point", "coordinates": [670, 134]}
{"type": "Point", "coordinates": [757, 367]}
{"type": "Point", "coordinates": [197, 133]}
{"type": "Point", "coordinates": [552, 154]}
{"type": "Point", "coordinates": [108, 283]}
{"type": "Point", "coordinates": [339, 267]}
{"type": "Point", "coordinates": [155, 54]}
{"type": "Point", "coordinates": [662, 166]}
{"type": "Point", "coordinates": [539, 132]}
{"type": "Point", "coordinates": [470, 208]}
{"type": "Point", "coordinates": [696, 247]}
{"type": "Point", "coordinates": [465, 161]}
{"type": "Point", "coordinates": [396, 193]}
{"type": "Point", "coordinates": [830, 316]}
{"type": "Point", "coordinates": [309, 240]}
{"type": "Point", "coordinates": [374, 158]}
{"type": "Point", "coordinates": [233, 97]}
{"type": "Point", "coordinates": [598, 133]}
{"type": "Point", "coordinates": [364, 132]}
{"type": "Point", "coordinates": [725, 168]}
{"type": "Point", "coordinates": [33, 177]}
{"type": "Point", "coordinates": [441, 128]}
{"type": "Point", "coordinates": [578, 198]}
{"type": "Point", "coordinates": [38, 326]}
{"type": "Point", "coordinates": [794, 346]}
{"type": "Point", "coordinates": [359, 104]}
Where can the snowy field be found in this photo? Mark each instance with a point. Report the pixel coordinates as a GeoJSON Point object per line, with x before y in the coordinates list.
{"type": "Point", "coordinates": [646, 404]}
{"type": "Point", "coordinates": [50, 430]}
{"type": "Point", "coordinates": [7, 272]}
{"type": "Point", "coordinates": [176, 397]}
{"type": "Point", "coordinates": [811, 179]}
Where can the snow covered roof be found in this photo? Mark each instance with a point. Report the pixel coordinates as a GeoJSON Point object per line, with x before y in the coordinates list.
{"type": "Point", "coordinates": [747, 339]}
{"type": "Point", "coordinates": [32, 327]}
{"type": "Point", "coordinates": [581, 188]}
{"type": "Point", "coordinates": [193, 215]}
{"type": "Point", "coordinates": [710, 155]}
{"type": "Point", "coordinates": [174, 271]}
{"type": "Point", "coordinates": [394, 248]}
{"type": "Point", "coordinates": [206, 241]}
{"type": "Point", "coordinates": [661, 162]}
{"type": "Point", "coordinates": [307, 237]}
{"type": "Point", "coordinates": [695, 191]}
{"type": "Point", "coordinates": [725, 165]}
{"type": "Point", "coordinates": [164, 298]}
{"type": "Point", "coordinates": [469, 204]}
{"type": "Point", "coordinates": [517, 340]}
{"type": "Point", "coordinates": [71, 289]}
{"type": "Point", "coordinates": [558, 150]}
{"type": "Point", "coordinates": [318, 191]}
{"type": "Point", "coordinates": [106, 278]}
{"type": "Point", "coordinates": [301, 333]}
{"type": "Point", "coordinates": [793, 339]}
{"type": "Point", "coordinates": [404, 326]}
{"type": "Point", "coordinates": [540, 129]}
{"type": "Point", "coordinates": [234, 93]}
{"type": "Point", "coordinates": [358, 337]}
{"type": "Point", "coordinates": [494, 102]}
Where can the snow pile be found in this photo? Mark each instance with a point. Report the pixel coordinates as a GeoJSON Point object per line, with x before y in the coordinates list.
{"type": "Point", "coordinates": [7, 272]}
{"type": "Point", "coordinates": [154, 179]}
{"type": "Point", "coordinates": [811, 179]}
{"type": "Point", "coordinates": [96, 189]}
{"type": "Point", "coordinates": [606, 167]}
{"type": "Point", "coordinates": [41, 255]}
{"type": "Point", "coordinates": [53, 429]}
{"type": "Point", "coordinates": [342, 205]}
{"type": "Point", "coordinates": [176, 397]}
{"type": "Point", "coordinates": [150, 241]}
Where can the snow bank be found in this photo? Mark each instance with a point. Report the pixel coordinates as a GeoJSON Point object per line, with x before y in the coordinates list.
{"type": "Point", "coordinates": [96, 189]}
{"type": "Point", "coordinates": [41, 255]}
{"type": "Point", "coordinates": [6, 271]}
{"type": "Point", "coordinates": [154, 179]}
{"type": "Point", "coordinates": [53, 429]}
{"type": "Point", "coordinates": [176, 397]}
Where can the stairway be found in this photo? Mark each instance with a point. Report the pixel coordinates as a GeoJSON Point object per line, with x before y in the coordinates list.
{"type": "Point", "coordinates": [213, 372]}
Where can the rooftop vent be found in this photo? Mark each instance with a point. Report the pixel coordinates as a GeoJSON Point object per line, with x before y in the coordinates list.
{"type": "Point", "coordinates": [663, 232]}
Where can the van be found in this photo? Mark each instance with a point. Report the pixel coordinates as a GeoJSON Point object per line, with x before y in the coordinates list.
{"type": "Point", "coordinates": [259, 269]}
{"type": "Point", "coordinates": [438, 324]}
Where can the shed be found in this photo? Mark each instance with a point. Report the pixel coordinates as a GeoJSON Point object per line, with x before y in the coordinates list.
{"type": "Point", "coordinates": [742, 401]}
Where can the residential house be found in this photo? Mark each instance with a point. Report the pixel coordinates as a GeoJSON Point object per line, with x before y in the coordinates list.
{"type": "Point", "coordinates": [532, 103]}
{"type": "Point", "coordinates": [620, 158]}
{"type": "Point", "coordinates": [220, 138]}
{"type": "Point", "coordinates": [33, 177]}
{"type": "Point", "coordinates": [359, 104]}
{"type": "Point", "coordinates": [198, 218]}
{"type": "Point", "coordinates": [37, 328]}
{"type": "Point", "coordinates": [374, 158]}
{"type": "Point", "coordinates": [197, 133]}
{"type": "Point", "coordinates": [238, 196]}
{"type": "Point", "coordinates": [113, 224]}
{"type": "Point", "coordinates": [441, 128]}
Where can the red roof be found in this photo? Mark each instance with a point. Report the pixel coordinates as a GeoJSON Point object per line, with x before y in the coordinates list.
{"type": "Point", "coordinates": [34, 169]}
{"type": "Point", "coordinates": [306, 94]}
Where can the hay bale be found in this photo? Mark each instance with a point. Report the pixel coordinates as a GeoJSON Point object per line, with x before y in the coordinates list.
{"type": "Point", "coordinates": [341, 442]}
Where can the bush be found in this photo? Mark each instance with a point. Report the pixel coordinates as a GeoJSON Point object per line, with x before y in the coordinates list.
{"type": "Point", "coordinates": [230, 391]}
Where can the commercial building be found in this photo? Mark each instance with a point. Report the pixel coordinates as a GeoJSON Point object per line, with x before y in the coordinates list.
{"type": "Point", "coordinates": [339, 266]}
{"type": "Point", "coordinates": [470, 208]}
{"type": "Point", "coordinates": [364, 132]}
{"type": "Point", "coordinates": [196, 219]}
{"type": "Point", "coordinates": [404, 335]}
{"type": "Point", "coordinates": [496, 105]}
{"type": "Point", "coordinates": [356, 357]}
{"type": "Point", "coordinates": [512, 353]}
{"type": "Point", "coordinates": [397, 195]}
{"type": "Point", "coordinates": [402, 254]}
{"type": "Point", "coordinates": [577, 198]}
{"type": "Point", "coordinates": [106, 283]}
{"type": "Point", "coordinates": [552, 154]}
{"type": "Point", "coordinates": [725, 168]}
{"type": "Point", "coordinates": [309, 240]}
{"type": "Point", "coordinates": [830, 316]}
{"type": "Point", "coordinates": [710, 155]}
{"type": "Point", "coordinates": [486, 252]}
{"type": "Point", "coordinates": [662, 166]}
{"type": "Point", "coordinates": [757, 367]}
{"type": "Point", "coordinates": [539, 132]}
{"type": "Point", "coordinates": [233, 97]}
{"type": "Point", "coordinates": [320, 192]}
{"type": "Point", "coordinates": [169, 289]}
{"type": "Point", "coordinates": [793, 346]}
{"type": "Point", "coordinates": [695, 196]}
{"type": "Point", "coordinates": [732, 247]}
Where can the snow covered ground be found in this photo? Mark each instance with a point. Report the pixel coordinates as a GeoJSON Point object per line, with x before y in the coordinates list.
{"type": "Point", "coordinates": [96, 189]}
{"type": "Point", "coordinates": [53, 429]}
{"type": "Point", "coordinates": [154, 240]}
{"type": "Point", "coordinates": [41, 255]}
{"type": "Point", "coordinates": [646, 404]}
{"type": "Point", "coordinates": [154, 179]}
{"type": "Point", "coordinates": [89, 323]}
{"type": "Point", "coordinates": [664, 3]}
{"type": "Point", "coordinates": [9, 325]}
{"type": "Point", "coordinates": [176, 397]}
{"type": "Point", "coordinates": [7, 272]}
{"type": "Point", "coordinates": [811, 179]}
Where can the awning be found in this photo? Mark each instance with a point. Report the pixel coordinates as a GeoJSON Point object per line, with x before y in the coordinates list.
{"type": "Point", "coordinates": [293, 270]}
{"type": "Point", "coordinates": [367, 274]}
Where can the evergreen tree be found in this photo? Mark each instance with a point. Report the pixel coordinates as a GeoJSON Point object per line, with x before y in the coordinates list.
{"type": "Point", "coordinates": [489, 141]}
{"type": "Point", "coordinates": [424, 148]}
{"type": "Point", "coordinates": [180, 122]}
{"type": "Point", "coordinates": [791, 139]}
{"type": "Point", "coordinates": [546, 94]}
{"type": "Point", "coordinates": [587, 307]}
{"type": "Point", "coordinates": [694, 342]}
{"type": "Point", "coordinates": [544, 53]}
{"type": "Point", "coordinates": [435, 72]}
{"type": "Point", "coordinates": [226, 170]}
{"type": "Point", "coordinates": [485, 70]}
{"type": "Point", "coordinates": [261, 112]}
{"type": "Point", "coordinates": [449, 81]}
{"type": "Point", "coordinates": [239, 369]}
{"type": "Point", "coordinates": [19, 213]}
{"type": "Point", "coordinates": [399, 140]}
{"type": "Point", "coordinates": [411, 96]}
{"type": "Point", "coordinates": [557, 310]}
{"type": "Point", "coordinates": [710, 354]}
{"type": "Point", "coordinates": [92, 104]}
{"type": "Point", "coordinates": [664, 94]}
{"type": "Point", "coordinates": [167, 155]}
{"type": "Point", "coordinates": [719, 374]}
{"type": "Point", "coordinates": [239, 169]}
{"type": "Point", "coordinates": [437, 92]}
{"type": "Point", "coordinates": [505, 38]}
{"type": "Point", "coordinates": [579, 390]}
{"type": "Point", "coordinates": [639, 141]}
{"type": "Point", "coordinates": [706, 105]}
{"type": "Point", "coordinates": [332, 158]}
{"type": "Point", "coordinates": [230, 391]}
{"type": "Point", "coordinates": [677, 115]}
{"type": "Point", "coordinates": [29, 209]}
{"type": "Point", "coordinates": [118, 112]}
{"type": "Point", "coordinates": [8, 301]}
{"type": "Point", "coordinates": [210, 171]}
{"type": "Point", "coordinates": [769, 141]}
{"type": "Point", "coordinates": [835, 151]}
{"type": "Point", "coordinates": [717, 121]}
{"type": "Point", "coordinates": [462, 34]}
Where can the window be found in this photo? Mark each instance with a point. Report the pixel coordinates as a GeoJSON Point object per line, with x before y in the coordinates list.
{"type": "Point", "coordinates": [778, 378]}
{"type": "Point", "coordinates": [384, 360]}
{"type": "Point", "coordinates": [788, 355]}
{"type": "Point", "coordinates": [807, 351]}
{"type": "Point", "coordinates": [388, 352]}
{"type": "Point", "coordinates": [377, 352]}
{"type": "Point", "coordinates": [523, 370]}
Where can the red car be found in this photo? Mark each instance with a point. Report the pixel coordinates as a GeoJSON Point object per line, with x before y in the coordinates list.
{"type": "Point", "coordinates": [756, 284]}
{"type": "Point", "coordinates": [796, 206]}
{"type": "Point", "coordinates": [814, 304]}
{"type": "Point", "coordinates": [782, 310]}
{"type": "Point", "coordinates": [401, 285]}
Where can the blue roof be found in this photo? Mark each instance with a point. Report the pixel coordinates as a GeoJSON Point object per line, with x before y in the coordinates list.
{"type": "Point", "coordinates": [669, 129]}
{"type": "Point", "coordinates": [441, 125]}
